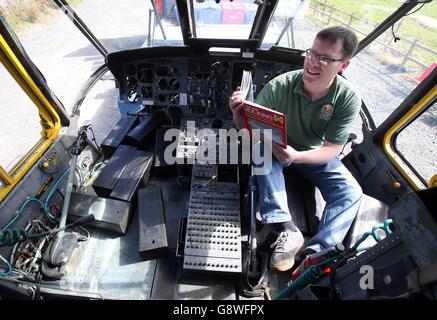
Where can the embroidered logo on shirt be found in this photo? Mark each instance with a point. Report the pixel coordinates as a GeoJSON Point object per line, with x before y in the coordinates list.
{"type": "Point", "coordinates": [326, 112]}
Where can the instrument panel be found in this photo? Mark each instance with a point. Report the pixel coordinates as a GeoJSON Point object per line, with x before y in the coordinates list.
{"type": "Point", "coordinates": [193, 85]}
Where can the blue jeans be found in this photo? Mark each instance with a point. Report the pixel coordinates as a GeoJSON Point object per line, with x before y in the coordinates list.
{"type": "Point", "coordinates": [338, 187]}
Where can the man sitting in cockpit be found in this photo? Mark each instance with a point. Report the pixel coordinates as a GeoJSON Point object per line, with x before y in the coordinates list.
{"type": "Point", "coordinates": [320, 107]}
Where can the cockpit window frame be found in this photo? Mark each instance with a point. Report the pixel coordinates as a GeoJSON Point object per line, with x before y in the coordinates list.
{"type": "Point", "coordinates": [50, 119]}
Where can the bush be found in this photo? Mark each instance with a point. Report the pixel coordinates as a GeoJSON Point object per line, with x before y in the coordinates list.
{"type": "Point", "coordinates": [20, 14]}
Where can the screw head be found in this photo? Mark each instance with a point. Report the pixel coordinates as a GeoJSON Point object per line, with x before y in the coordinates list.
{"type": "Point", "coordinates": [387, 279]}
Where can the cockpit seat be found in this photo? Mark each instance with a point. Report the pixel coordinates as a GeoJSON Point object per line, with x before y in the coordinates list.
{"type": "Point", "coordinates": [306, 206]}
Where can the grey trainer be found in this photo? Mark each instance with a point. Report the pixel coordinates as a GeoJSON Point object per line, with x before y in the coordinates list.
{"type": "Point", "coordinates": [285, 247]}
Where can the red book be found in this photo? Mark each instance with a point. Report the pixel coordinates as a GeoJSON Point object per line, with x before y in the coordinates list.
{"type": "Point", "coordinates": [256, 116]}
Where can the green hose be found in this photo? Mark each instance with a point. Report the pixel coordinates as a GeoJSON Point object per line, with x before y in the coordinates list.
{"type": "Point", "coordinates": [307, 277]}
{"type": "Point", "coordinates": [314, 272]}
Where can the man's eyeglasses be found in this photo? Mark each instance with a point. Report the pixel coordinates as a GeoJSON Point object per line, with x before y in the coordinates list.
{"type": "Point", "coordinates": [324, 60]}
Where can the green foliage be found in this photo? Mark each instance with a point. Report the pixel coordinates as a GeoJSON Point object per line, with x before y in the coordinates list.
{"type": "Point", "coordinates": [21, 14]}
{"type": "Point", "coordinates": [420, 26]}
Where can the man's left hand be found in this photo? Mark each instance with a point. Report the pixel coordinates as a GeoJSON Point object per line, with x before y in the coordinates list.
{"type": "Point", "coordinates": [284, 154]}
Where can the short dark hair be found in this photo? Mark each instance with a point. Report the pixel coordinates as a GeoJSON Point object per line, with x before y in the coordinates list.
{"type": "Point", "coordinates": [348, 37]}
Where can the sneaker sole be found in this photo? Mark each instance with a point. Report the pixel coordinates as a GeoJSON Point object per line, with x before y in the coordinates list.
{"type": "Point", "coordinates": [288, 266]}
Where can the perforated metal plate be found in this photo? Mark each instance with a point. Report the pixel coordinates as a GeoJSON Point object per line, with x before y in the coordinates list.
{"type": "Point", "coordinates": [213, 238]}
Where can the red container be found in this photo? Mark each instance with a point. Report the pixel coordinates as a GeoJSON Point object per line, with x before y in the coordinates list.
{"type": "Point", "coordinates": [233, 13]}
{"type": "Point", "coordinates": [159, 7]}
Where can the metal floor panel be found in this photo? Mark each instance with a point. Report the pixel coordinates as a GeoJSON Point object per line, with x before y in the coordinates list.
{"type": "Point", "coordinates": [110, 266]}
{"type": "Point", "coordinates": [172, 283]}
{"type": "Point", "coordinates": [175, 198]}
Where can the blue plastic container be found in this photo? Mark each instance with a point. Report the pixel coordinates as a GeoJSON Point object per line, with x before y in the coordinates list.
{"type": "Point", "coordinates": [209, 15]}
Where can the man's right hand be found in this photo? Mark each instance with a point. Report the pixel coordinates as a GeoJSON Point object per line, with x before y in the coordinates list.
{"type": "Point", "coordinates": [236, 104]}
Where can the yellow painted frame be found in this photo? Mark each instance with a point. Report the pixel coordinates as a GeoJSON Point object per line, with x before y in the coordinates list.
{"type": "Point", "coordinates": [50, 120]}
{"type": "Point", "coordinates": [397, 161]}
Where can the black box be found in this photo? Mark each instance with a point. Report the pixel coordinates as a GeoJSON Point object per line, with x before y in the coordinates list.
{"type": "Point", "coordinates": [153, 241]}
{"type": "Point", "coordinates": [136, 174]}
{"type": "Point", "coordinates": [117, 134]}
{"type": "Point", "coordinates": [111, 215]}
{"type": "Point", "coordinates": [143, 134]}
{"type": "Point", "coordinates": [127, 170]}
{"type": "Point", "coordinates": [108, 177]}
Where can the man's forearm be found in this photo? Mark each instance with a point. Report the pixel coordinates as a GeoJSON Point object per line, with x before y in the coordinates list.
{"type": "Point", "coordinates": [321, 155]}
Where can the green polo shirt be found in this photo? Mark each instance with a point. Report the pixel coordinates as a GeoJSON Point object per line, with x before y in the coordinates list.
{"type": "Point", "coordinates": [309, 124]}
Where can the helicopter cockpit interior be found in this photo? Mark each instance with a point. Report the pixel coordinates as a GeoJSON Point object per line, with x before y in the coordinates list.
{"type": "Point", "coordinates": [139, 199]}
